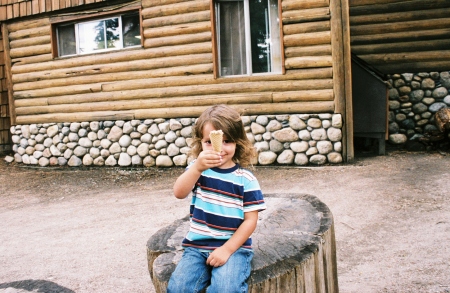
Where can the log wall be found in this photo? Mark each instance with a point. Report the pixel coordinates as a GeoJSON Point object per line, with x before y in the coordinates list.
{"type": "Point", "coordinates": [173, 74]}
{"type": "Point", "coordinates": [397, 36]}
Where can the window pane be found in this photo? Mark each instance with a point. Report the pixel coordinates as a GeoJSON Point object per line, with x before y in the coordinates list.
{"type": "Point", "coordinates": [66, 40]}
{"type": "Point", "coordinates": [112, 33]}
{"type": "Point", "coordinates": [131, 30]}
{"type": "Point", "coordinates": [232, 38]}
{"type": "Point", "coordinates": [260, 35]}
{"type": "Point", "coordinates": [91, 36]}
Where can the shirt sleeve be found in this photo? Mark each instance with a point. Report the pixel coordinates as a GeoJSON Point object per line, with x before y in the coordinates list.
{"type": "Point", "coordinates": [253, 197]}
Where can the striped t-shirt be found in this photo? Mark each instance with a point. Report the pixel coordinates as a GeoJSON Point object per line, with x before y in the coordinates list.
{"type": "Point", "coordinates": [220, 199]}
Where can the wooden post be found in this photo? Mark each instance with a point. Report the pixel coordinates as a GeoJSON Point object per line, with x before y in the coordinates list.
{"type": "Point", "coordinates": [8, 75]}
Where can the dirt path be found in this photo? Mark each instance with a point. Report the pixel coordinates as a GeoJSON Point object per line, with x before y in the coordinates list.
{"type": "Point", "coordinates": [85, 230]}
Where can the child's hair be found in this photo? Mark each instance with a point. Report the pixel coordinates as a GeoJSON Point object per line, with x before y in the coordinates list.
{"type": "Point", "coordinates": [229, 121]}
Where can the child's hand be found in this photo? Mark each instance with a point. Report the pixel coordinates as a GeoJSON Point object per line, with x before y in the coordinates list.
{"type": "Point", "coordinates": [207, 159]}
{"type": "Point", "coordinates": [218, 257]}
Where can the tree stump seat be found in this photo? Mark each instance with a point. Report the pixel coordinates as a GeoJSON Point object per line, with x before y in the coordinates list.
{"type": "Point", "coordinates": [294, 247]}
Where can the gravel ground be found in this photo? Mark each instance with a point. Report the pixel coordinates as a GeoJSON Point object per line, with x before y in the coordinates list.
{"type": "Point", "coordinates": [85, 229]}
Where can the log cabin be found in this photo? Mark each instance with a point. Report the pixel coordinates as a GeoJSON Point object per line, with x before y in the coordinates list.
{"type": "Point", "coordinates": [68, 61]}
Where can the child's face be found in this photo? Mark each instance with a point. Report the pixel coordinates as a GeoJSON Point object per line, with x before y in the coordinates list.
{"type": "Point", "coordinates": [228, 147]}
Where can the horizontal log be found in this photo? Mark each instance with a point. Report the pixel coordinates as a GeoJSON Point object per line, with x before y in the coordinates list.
{"type": "Point", "coordinates": [414, 67]}
{"type": "Point", "coordinates": [30, 51]}
{"type": "Point", "coordinates": [30, 33]}
{"type": "Point", "coordinates": [307, 27]}
{"type": "Point", "coordinates": [400, 37]}
{"type": "Point", "coordinates": [76, 117]}
{"type": "Point", "coordinates": [189, 90]}
{"type": "Point", "coordinates": [412, 5]}
{"type": "Point", "coordinates": [30, 42]}
{"type": "Point", "coordinates": [245, 109]}
{"type": "Point", "coordinates": [303, 96]}
{"type": "Point", "coordinates": [287, 5]}
{"type": "Point", "coordinates": [199, 80]}
{"type": "Point", "coordinates": [178, 40]}
{"type": "Point", "coordinates": [32, 102]}
{"type": "Point", "coordinates": [179, 72]}
{"type": "Point", "coordinates": [136, 65]}
{"type": "Point", "coordinates": [59, 91]}
{"type": "Point", "coordinates": [319, 50]}
{"type": "Point", "coordinates": [152, 3]}
{"type": "Point", "coordinates": [31, 60]}
{"type": "Point", "coordinates": [167, 103]}
{"type": "Point", "coordinates": [309, 62]}
{"type": "Point", "coordinates": [115, 57]}
{"type": "Point", "coordinates": [178, 30]}
{"type": "Point", "coordinates": [177, 19]}
{"type": "Point", "coordinates": [399, 16]}
{"type": "Point", "coordinates": [406, 57]}
{"type": "Point", "coordinates": [307, 39]}
{"type": "Point", "coordinates": [430, 45]}
{"type": "Point", "coordinates": [176, 8]}
{"type": "Point", "coordinates": [28, 24]}
{"type": "Point", "coordinates": [353, 3]}
{"type": "Point", "coordinates": [417, 25]}
{"type": "Point", "coordinates": [307, 15]}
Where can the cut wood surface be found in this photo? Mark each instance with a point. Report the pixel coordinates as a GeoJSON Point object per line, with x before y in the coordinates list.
{"type": "Point", "coordinates": [294, 247]}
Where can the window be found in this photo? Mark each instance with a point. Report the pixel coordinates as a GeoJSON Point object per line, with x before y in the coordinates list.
{"type": "Point", "coordinates": [248, 37]}
{"type": "Point", "coordinates": [100, 35]}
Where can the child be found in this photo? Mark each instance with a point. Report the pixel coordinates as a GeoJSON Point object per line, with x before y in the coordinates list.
{"type": "Point", "coordinates": [224, 209]}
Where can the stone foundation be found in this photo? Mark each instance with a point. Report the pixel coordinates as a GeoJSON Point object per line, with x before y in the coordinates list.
{"type": "Point", "coordinates": [298, 139]}
{"type": "Point", "coordinates": [413, 101]}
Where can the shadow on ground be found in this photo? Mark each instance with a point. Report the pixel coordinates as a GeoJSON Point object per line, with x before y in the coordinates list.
{"type": "Point", "coordinates": [36, 286]}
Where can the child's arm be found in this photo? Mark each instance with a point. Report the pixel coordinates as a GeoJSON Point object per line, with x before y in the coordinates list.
{"type": "Point", "coordinates": [184, 184]}
{"type": "Point", "coordinates": [220, 255]}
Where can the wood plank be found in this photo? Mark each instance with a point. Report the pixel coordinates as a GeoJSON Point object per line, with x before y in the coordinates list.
{"type": "Point", "coordinates": [304, 4]}
{"type": "Point", "coordinates": [136, 65]}
{"type": "Point", "coordinates": [115, 57]}
{"type": "Point", "coordinates": [412, 5]}
{"type": "Point", "coordinates": [308, 27]}
{"type": "Point", "coordinates": [76, 117]}
{"type": "Point", "coordinates": [399, 16]}
{"type": "Point", "coordinates": [178, 71]}
{"type": "Point", "coordinates": [175, 9]}
{"type": "Point", "coordinates": [178, 30]}
{"type": "Point", "coordinates": [34, 41]}
{"type": "Point", "coordinates": [319, 50]}
{"type": "Point", "coordinates": [31, 51]}
{"type": "Point", "coordinates": [192, 17]}
{"type": "Point", "coordinates": [28, 24]}
{"type": "Point", "coordinates": [400, 47]}
{"type": "Point", "coordinates": [405, 26]}
{"type": "Point", "coordinates": [401, 37]}
{"type": "Point", "coordinates": [307, 39]}
{"type": "Point", "coordinates": [29, 33]}
{"type": "Point", "coordinates": [306, 15]}
{"type": "Point", "coordinates": [353, 3]}
{"type": "Point", "coordinates": [309, 62]}
{"type": "Point", "coordinates": [178, 40]}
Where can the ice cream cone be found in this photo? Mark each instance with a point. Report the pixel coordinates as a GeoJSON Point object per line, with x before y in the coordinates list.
{"type": "Point", "coordinates": [216, 137]}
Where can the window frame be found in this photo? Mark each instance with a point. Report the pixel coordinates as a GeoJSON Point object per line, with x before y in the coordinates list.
{"type": "Point", "coordinates": [92, 16]}
{"type": "Point", "coordinates": [215, 45]}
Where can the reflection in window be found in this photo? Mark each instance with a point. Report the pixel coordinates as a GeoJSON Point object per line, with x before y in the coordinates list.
{"type": "Point", "coordinates": [99, 35]}
{"type": "Point", "coordinates": [248, 36]}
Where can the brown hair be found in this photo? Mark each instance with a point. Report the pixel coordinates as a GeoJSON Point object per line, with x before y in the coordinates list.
{"type": "Point", "coordinates": [229, 121]}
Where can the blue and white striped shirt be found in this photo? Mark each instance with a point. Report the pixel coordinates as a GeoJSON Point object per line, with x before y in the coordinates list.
{"type": "Point", "coordinates": [220, 199]}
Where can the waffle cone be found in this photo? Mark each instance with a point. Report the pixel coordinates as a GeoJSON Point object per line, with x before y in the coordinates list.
{"type": "Point", "coordinates": [216, 137]}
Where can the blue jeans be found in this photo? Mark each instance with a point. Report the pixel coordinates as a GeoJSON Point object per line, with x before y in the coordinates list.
{"type": "Point", "coordinates": [192, 274]}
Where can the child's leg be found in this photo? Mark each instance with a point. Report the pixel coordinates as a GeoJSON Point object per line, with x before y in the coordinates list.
{"type": "Point", "coordinates": [191, 274]}
{"type": "Point", "coordinates": [232, 276]}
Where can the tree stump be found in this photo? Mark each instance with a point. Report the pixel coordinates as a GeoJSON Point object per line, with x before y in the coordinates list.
{"type": "Point", "coordinates": [294, 247]}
